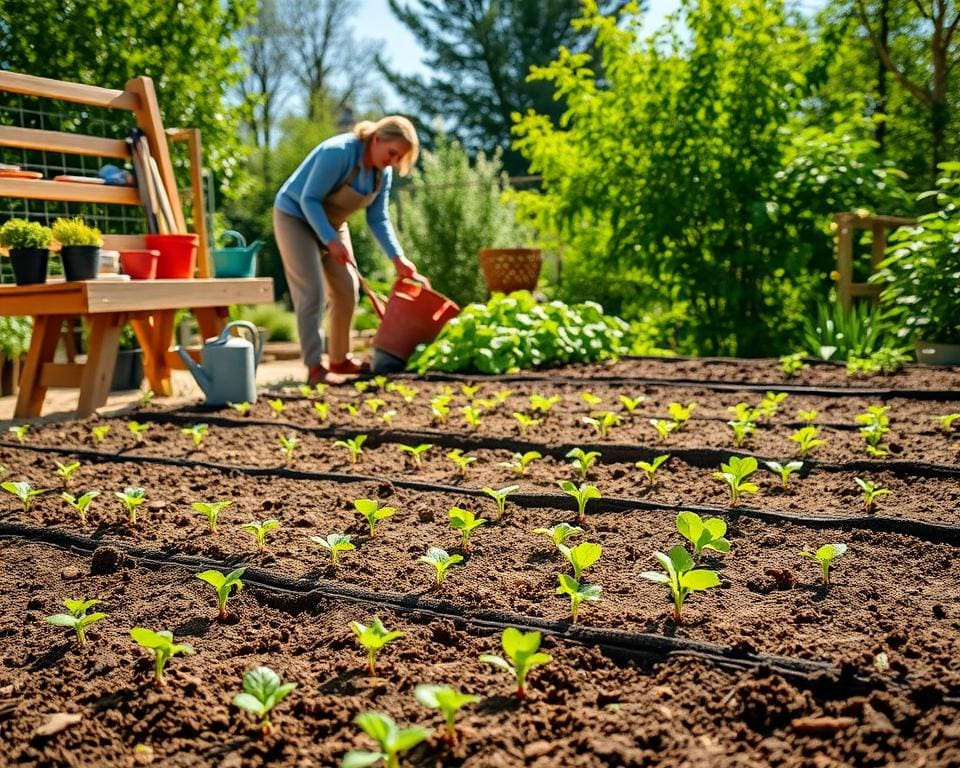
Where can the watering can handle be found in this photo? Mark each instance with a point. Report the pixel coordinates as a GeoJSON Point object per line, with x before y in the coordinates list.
{"type": "Point", "coordinates": [241, 240]}
{"type": "Point", "coordinates": [254, 334]}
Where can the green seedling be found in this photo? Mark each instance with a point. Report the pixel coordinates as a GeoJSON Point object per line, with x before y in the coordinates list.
{"type": "Point", "coordinates": [602, 422]}
{"type": "Point", "coordinates": [582, 460]}
{"type": "Point", "coordinates": [945, 423]}
{"type": "Point", "coordinates": [349, 409]}
{"type": "Point", "coordinates": [415, 452]}
{"type": "Point", "coordinates": [583, 494]}
{"type": "Point", "coordinates": [211, 510]}
{"type": "Point", "coordinates": [807, 438]}
{"type": "Point", "coordinates": [223, 584]}
{"type": "Point", "coordinates": [544, 404]}
{"type": "Point", "coordinates": [680, 577]}
{"type": "Point", "coordinates": [408, 394]}
{"type": "Point", "coordinates": [305, 390]}
{"type": "Point", "coordinates": [320, 389]}
{"type": "Point", "coordinates": [131, 498]}
{"type": "Point", "coordinates": [259, 531]}
{"type": "Point", "coordinates": [361, 386]}
{"type": "Point", "coordinates": [472, 416]}
{"type": "Point", "coordinates": [335, 543]}
{"type": "Point", "coordinates": [354, 445]}
{"type": "Point", "coordinates": [163, 647]}
{"type": "Point", "coordinates": [771, 404]}
{"type": "Point", "coordinates": [486, 403]}
{"type": "Point", "coordinates": [146, 398]}
{"type": "Point", "coordinates": [502, 395]}
{"type": "Point", "coordinates": [23, 491]}
{"type": "Point", "coordinates": [387, 417]}
{"type": "Point", "coordinates": [521, 461]}
{"type": "Point", "coordinates": [784, 470]}
{"type": "Point", "coordinates": [791, 365]}
{"type": "Point", "coordinates": [703, 534]}
{"type": "Point", "coordinates": [523, 651]}
{"type": "Point", "coordinates": [744, 422]}
{"type": "Point", "coordinates": [382, 383]}
{"type": "Point", "coordinates": [373, 512]}
{"type": "Point", "coordinates": [262, 691]}
{"type": "Point", "coordinates": [78, 619]}
{"type": "Point", "coordinates": [681, 413]}
{"type": "Point", "coordinates": [197, 432]}
{"type": "Point", "coordinates": [825, 556]}
{"type": "Point", "coordinates": [440, 560]}
{"type": "Point", "coordinates": [19, 432]}
{"type": "Point", "coordinates": [65, 472]}
{"type": "Point", "coordinates": [525, 422]}
{"type": "Point", "coordinates": [321, 410]}
{"type": "Point", "coordinates": [578, 592]}
{"type": "Point", "coordinates": [630, 405]}
{"type": "Point", "coordinates": [735, 474]}
{"type": "Point", "coordinates": [500, 498]}
{"type": "Point", "coordinates": [81, 504]}
{"type": "Point", "coordinates": [560, 532]}
{"type": "Point", "coordinates": [440, 407]}
{"type": "Point", "coordinates": [871, 492]}
{"type": "Point", "coordinates": [464, 521]}
{"type": "Point", "coordinates": [469, 391]}
{"type": "Point", "coordinates": [461, 460]}
{"type": "Point", "coordinates": [875, 414]}
{"type": "Point", "coordinates": [591, 399]}
{"type": "Point", "coordinates": [448, 700]}
{"type": "Point", "coordinates": [391, 739]}
{"type": "Point", "coordinates": [664, 427]}
{"type": "Point", "coordinates": [650, 468]}
{"type": "Point", "coordinates": [808, 417]}
{"type": "Point", "coordinates": [99, 434]}
{"type": "Point", "coordinates": [373, 638]}
{"type": "Point", "coordinates": [277, 407]}
{"type": "Point", "coordinates": [374, 403]}
{"type": "Point", "coordinates": [873, 433]}
{"type": "Point", "coordinates": [582, 556]}
{"type": "Point", "coordinates": [138, 430]}
{"type": "Point", "coordinates": [287, 444]}
{"type": "Point", "coordinates": [241, 408]}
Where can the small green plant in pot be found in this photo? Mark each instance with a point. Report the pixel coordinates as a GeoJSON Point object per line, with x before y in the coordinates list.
{"type": "Point", "coordinates": [29, 244]}
{"type": "Point", "coordinates": [80, 248]}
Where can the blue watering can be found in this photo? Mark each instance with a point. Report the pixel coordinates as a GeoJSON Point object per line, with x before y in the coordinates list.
{"type": "Point", "coordinates": [227, 373]}
{"type": "Point", "coordinates": [238, 260]}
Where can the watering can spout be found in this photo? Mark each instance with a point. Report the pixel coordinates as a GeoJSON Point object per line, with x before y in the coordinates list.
{"type": "Point", "coordinates": [202, 379]}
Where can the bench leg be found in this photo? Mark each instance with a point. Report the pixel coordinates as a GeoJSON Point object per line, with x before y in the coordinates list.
{"type": "Point", "coordinates": [101, 360]}
{"type": "Point", "coordinates": [43, 344]}
{"type": "Point", "coordinates": [154, 331]}
{"type": "Point", "coordinates": [211, 320]}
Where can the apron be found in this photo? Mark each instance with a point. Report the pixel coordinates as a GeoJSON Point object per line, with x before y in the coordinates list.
{"type": "Point", "coordinates": [345, 201]}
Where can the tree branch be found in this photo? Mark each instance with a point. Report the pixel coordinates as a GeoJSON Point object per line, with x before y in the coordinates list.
{"type": "Point", "coordinates": [922, 95]}
{"type": "Point", "coordinates": [923, 11]}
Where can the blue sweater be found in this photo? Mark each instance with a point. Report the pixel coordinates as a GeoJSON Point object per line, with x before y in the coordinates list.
{"type": "Point", "coordinates": [325, 169]}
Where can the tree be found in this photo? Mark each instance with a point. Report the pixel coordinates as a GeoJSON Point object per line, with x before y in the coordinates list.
{"type": "Point", "coordinates": [480, 53]}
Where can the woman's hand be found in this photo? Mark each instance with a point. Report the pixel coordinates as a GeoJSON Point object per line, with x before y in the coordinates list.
{"type": "Point", "coordinates": [339, 251]}
{"type": "Point", "coordinates": [407, 269]}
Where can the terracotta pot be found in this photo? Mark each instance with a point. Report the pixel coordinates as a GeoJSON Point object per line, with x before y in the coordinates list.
{"type": "Point", "coordinates": [511, 269]}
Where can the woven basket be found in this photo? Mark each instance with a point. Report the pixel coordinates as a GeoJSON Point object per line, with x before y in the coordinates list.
{"type": "Point", "coordinates": [511, 269]}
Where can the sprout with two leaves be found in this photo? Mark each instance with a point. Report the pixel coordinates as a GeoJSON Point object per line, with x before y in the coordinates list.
{"type": "Point", "coordinates": [703, 534]}
{"type": "Point", "coordinates": [66, 471]}
{"type": "Point", "coordinates": [680, 413]}
{"type": "Point", "coordinates": [472, 416]}
{"type": "Point", "coordinates": [871, 492]}
{"type": "Point", "coordinates": [197, 432]}
{"type": "Point", "coordinates": [391, 739]}
{"type": "Point", "coordinates": [138, 430]}
{"type": "Point", "coordinates": [500, 498]}
{"type": "Point", "coordinates": [321, 410]}
{"type": "Point", "coordinates": [581, 495]}
{"type": "Point", "coordinates": [262, 691]}
{"type": "Point", "coordinates": [354, 445]}
{"type": "Point", "coordinates": [525, 422]}
{"type": "Point", "coordinates": [335, 543]}
{"type": "Point", "coordinates": [163, 647]}
{"type": "Point", "coordinates": [441, 561]}
{"type": "Point", "coordinates": [462, 460]}
{"type": "Point", "coordinates": [591, 399]}
{"type": "Point", "coordinates": [211, 510]}
{"type": "Point", "coordinates": [23, 491]}
{"type": "Point", "coordinates": [523, 651]}
{"type": "Point", "coordinates": [808, 417]}
{"type": "Point", "coordinates": [349, 409]}
{"type": "Point", "coordinates": [19, 432]}
{"type": "Point", "coordinates": [560, 532]}
{"type": "Point", "coordinates": [416, 452]}
{"type": "Point", "coordinates": [651, 467]}
{"type": "Point", "coordinates": [602, 422]}
{"type": "Point", "coordinates": [259, 531]}
{"type": "Point", "coordinates": [131, 498]}
{"type": "Point", "coordinates": [784, 470]}
{"type": "Point", "coordinates": [448, 700]}
{"type": "Point", "coordinates": [373, 512]}
{"type": "Point", "coordinates": [582, 460]}
{"type": "Point", "coordinates": [80, 503]}
{"type": "Point", "coordinates": [277, 406]}
{"type": "Point", "coordinates": [99, 434]}
{"type": "Point", "coordinates": [223, 585]}
{"type": "Point", "coordinates": [241, 408]}
{"type": "Point", "coordinates": [287, 444]}
{"type": "Point", "coordinates": [664, 427]}
{"type": "Point", "coordinates": [543, 404]}
{"type": "Point", "coordinates": [520, 462]}
{"type": "Point", "coordinates": [374, 404]}
{"type": "Point", "coordinates": [680, 577]}
{"type": "Point", "coordinates": [807, 438]}
{"type": "Point", "coordinates": [581, 557]}
{"type": "Point", "coordinates": [825, 556]}
{"type": "Point", "coordinates": [630, 404]}
{"type": "Point", "coordinates": [578, 593]}
{"type": "Point", "coordinates": [466, 522]}
{"type": "Point", "coordinates": [373, 638]}
{"type": "Point", "coordinates": [735, 474]}
{"type": "Point", "coordinates": [77, 619]}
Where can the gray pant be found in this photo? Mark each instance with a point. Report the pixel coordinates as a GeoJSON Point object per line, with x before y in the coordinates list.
{"type": "Point", "coordinates": [311, 274]}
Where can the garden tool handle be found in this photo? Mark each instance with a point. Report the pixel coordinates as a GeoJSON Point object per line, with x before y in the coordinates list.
{"type": "Point", "coordinates": [379, 306]}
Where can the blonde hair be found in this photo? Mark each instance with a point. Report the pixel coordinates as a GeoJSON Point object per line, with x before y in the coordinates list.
{"type": "Point", "coordinates": [392, 128]}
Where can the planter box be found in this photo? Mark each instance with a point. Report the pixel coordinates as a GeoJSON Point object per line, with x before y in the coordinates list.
{"type": "Point", "coordinates": [935, 353]}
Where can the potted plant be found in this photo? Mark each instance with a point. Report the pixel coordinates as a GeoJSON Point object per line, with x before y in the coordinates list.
{"type": "Point", "coordinates": [29, 244]}
{"type": "Point", "coordinates": [15, 333]}
{"type": "Point", "coordinates": [922, 274]}
{"type": "Point", "coordinates": [128, 372]}
{"type": "Point", "coordinates": [80, 248]}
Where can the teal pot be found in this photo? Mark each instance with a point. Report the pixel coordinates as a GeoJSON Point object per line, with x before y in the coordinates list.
{"type": "Point", "coordinates": [128, 373]}
{"type": "Point", "coordinates": [936, 353]}
{"type": "Point", "coordinates": [29, 265]}
{"type": "Point", "coordinates": [80, 262]}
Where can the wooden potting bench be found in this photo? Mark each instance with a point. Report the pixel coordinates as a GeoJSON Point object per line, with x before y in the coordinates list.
{"type": "Point", "coordinates": [149, 305]}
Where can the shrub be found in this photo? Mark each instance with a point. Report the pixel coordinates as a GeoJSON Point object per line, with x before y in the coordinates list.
{"type": "Point", "coordinates": [20, 233]}
{"type": "Point", "coordinates": [70, 232]}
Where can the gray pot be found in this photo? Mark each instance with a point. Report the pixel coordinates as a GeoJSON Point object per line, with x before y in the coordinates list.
{"type": "Point", "coordinates": [936, 353]}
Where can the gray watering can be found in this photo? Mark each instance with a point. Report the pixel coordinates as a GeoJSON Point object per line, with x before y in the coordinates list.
{"type": "Point", "coordinates": [227, 373]}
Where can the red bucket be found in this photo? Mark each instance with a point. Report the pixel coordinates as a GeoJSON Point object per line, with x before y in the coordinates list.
{"type": "Point", "coordinates": [414, 315]}
{"type": "Point", "coordinates": [178, 255]}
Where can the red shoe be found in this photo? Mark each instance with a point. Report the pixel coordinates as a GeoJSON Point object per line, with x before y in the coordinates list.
{"type": "Point", "coordinates": [350, 366]}
{"type": "Point", "coordinates": [318, 374]}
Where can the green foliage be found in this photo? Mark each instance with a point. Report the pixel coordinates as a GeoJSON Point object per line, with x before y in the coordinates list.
{"type": "Point", "coordinates": [278, 321]}
{"type": "Point", "coordinates": [81, 503]}
{"type": "Point", "coordinates": [391, 740]}
{"type": "Point", "coordinates": [223, 585]}
{"type": "Point", "coordinates": [334, 543]}
{"type": "Point", "coordinates": [735, 474]}
{"type": "Point", "coordinates": [578, 592]}
{"type": "Point", "coordinates": [78, 619]}
{"type": "Point", "coordinates": [523, 651]}
{"type": "Point", "coordinates": [259, 531]}
{"type": "Point", "coordinates": [70, 232]}
{"type": "Point", "coordinates": [277, 406]}
{"type": "Point", "coordinates": [807, 438]}
{"type": "Point", "coordinates": [440, 560]}
{"type": "Point", "coordinates": [825, 556]}
{"type": "Point", "coordinates": [415, 452]}
{"type": "Point", "coordinates": [834, 333]}
{"type": "Point", "coordinates": [560, 532]}
{"type": "Point", "coordinates": [373, 512]}
{"type": "Point", "coordinates": [262, 691]}
{"type": "Point", "coordinates": [792, 364]}
{"type": "Point", "coordinates": [602, 422]}
{"type": "Point", "coordinates": [448, 700]}
{"type": "Point", "coordinates": [373, 638]}
{"type": "Point", "coordinates": [582, 460]}
{"type": "Point", "coordinates": [581, 494]}
{"type": "Point", "coordinates": [19, 431]}
{"type": "Point", "coordinates": [499, 497]}
{"type": "Point", "coordinates": [462, 460]}
{"type": "Point", "coordinates": [23, 491]}
{"type": "Point", "coordinates": [525, 422]}
{"type": "Point", "coordinates": [211, 510]}
{"type": "Point", "coordinates": [784, 470]}
{"type": "Point", "coordinates": [20, 233]}
{"type": "Point", "coordinates": [582, 556]}
{"type": "Point", "coordinates": [651, 467]}
{"type": "Point", "coordinates": [945, 422]}
{"type": "Point", "coordinates": [98, 434]}
{"type": "Point", "coordinates": [513, 332]}
{"type": "Point", "coordinates": [241, 408]}
{"type": "Point", "coordinates": [131, 498]}
{"type": "Point", "coordinates": [138, 430]}
{"type": "Point", "coordinates": [520, 461]}
{"type": "Point", "coordinates": [681, 577]}
{"type": "Point", "coordinates": [703, 534]}
{"type": "Point", "coordinates": [65, 472]}
{"type": "Point", "coordinates": [197, 432]}
{"type": "Point", "coordinates": [163, 647]}
{"type": "Point", "coordinates": [288, 444]}
{"type": "Point", "coordinates": [871, 492]}
{"type": "Point", "coordinates": [15, 334]}
{"type": "Point", "coordinates": [354, 445]}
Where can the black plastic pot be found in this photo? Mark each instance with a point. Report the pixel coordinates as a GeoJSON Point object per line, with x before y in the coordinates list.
{"type": "Point", "coordinates": [80, 262]}
{"type": "Point", "coordinates": [29, 265]}
{"type": "Point", "coordinates": [128, 372]}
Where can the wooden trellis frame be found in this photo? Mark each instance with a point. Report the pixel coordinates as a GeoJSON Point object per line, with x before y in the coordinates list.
{"type": "Point", "coordinates": [847, 223]}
